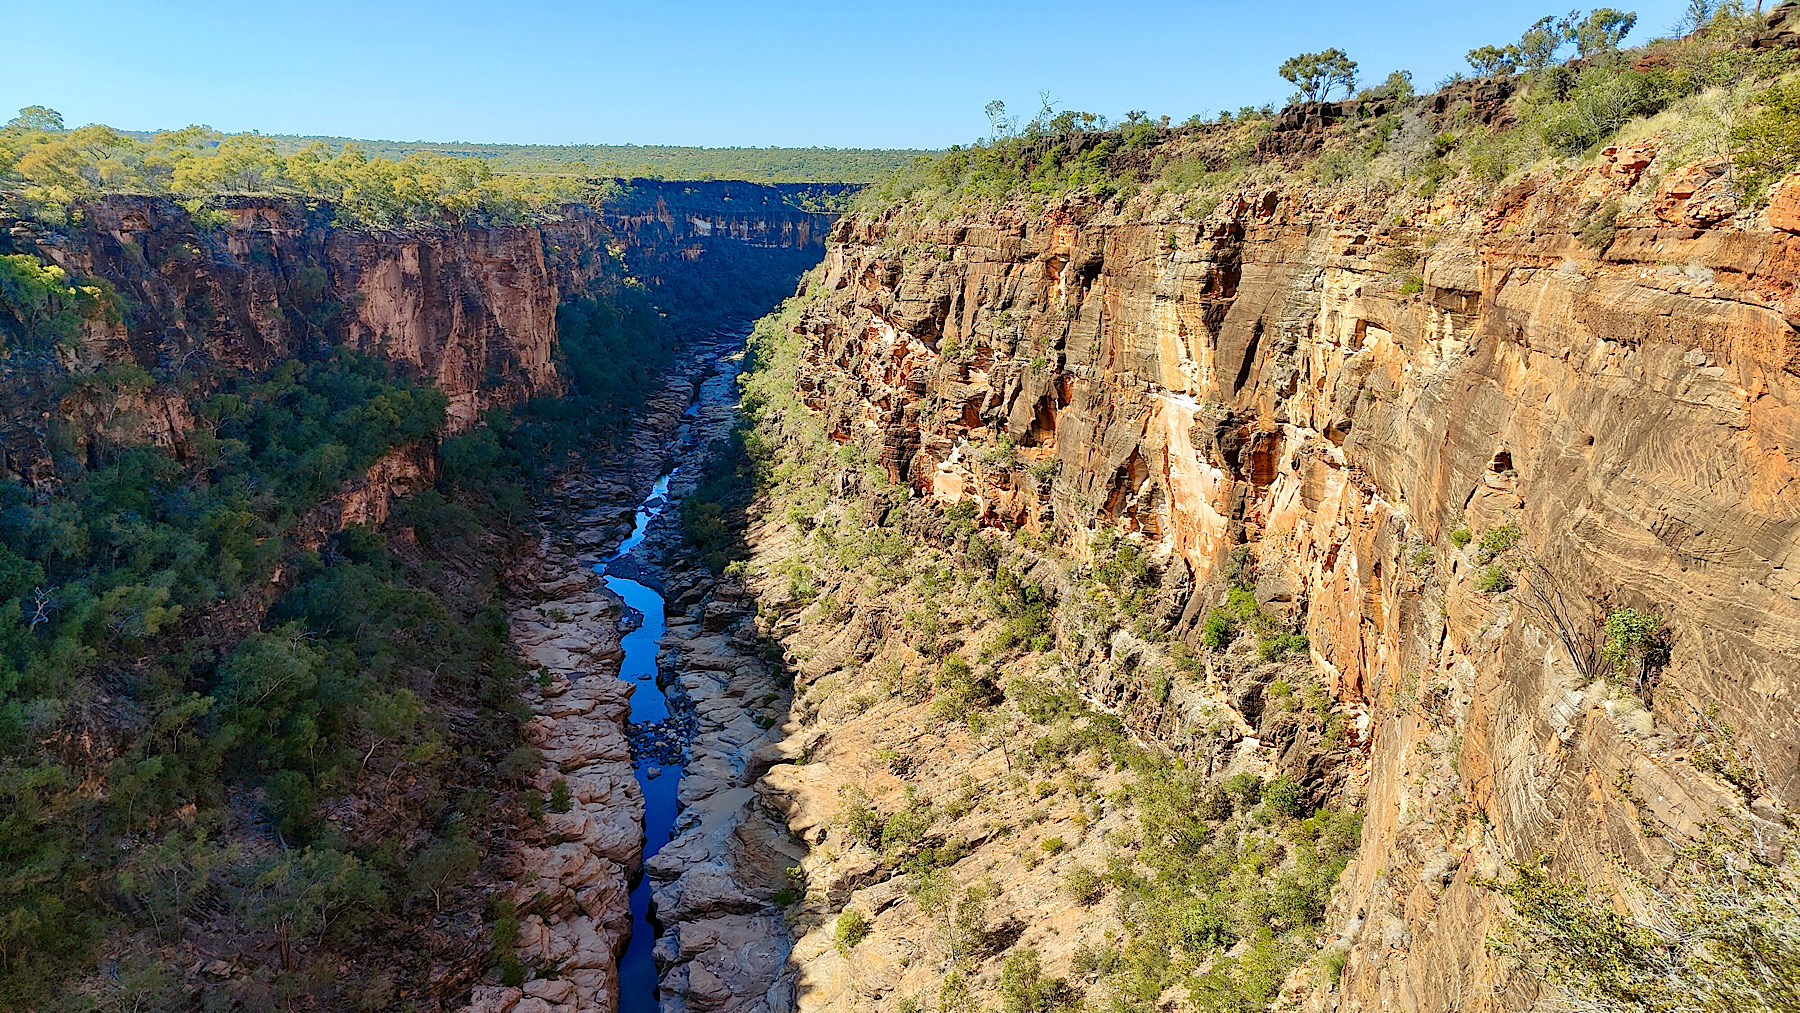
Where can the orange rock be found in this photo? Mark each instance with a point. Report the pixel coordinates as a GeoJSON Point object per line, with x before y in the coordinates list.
{"type": "Point", "coordinates": [1784, 204]}
{"type": "Point", "coordinates": [1623, 164]}
{"type": "Point", "coordinates": [1695, 194]}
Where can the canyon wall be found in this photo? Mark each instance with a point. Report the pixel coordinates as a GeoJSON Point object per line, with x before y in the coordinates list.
{"type": "Point", "coordinates": [1359, 399]}
{"type": "Point", "coordinates": [251, 281]}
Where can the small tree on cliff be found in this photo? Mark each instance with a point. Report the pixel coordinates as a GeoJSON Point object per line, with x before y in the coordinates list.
{"type": "Point", "coordinates": [1316, 74]}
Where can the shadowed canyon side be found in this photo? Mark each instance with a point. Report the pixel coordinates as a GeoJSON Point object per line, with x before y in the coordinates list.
{"type": "Point", "coordinates": [356, 425]}
{"type": "Point", "coordinates": [1446, 447]}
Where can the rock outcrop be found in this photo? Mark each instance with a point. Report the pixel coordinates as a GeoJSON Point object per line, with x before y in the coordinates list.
{"type": "Point", "coordinates": [1360, 401]}
{"type": "Point", "coordinates": [252, 280]}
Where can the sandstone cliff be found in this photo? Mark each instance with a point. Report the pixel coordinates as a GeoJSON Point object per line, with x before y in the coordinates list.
{"type": "Point", "coordinates": [248, 282]}
{"type": "Point", "coordinates": [1361, 392]}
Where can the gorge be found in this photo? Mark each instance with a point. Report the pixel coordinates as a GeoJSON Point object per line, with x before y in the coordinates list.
{"type": "Point", "coordinates": [1327, 559]}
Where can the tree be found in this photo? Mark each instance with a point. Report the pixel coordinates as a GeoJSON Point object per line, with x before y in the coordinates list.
{"type": "Point", "coordinates": [1538, 46]}
{"type": "Point", "coordinates": [450, 862]}
{"type": "Point", "coordinates": [37, 118]}
{"type": "Point", "coordinates": [1316, 74]}
{"type": "Point", "coordinates": [1494, 61]}
{"type": "Point", "coordinates": [301, 895]}
{"type": "Point", "coordinates": [1602, 30]}
{"type": "Point", "coordinates": [998, 123]}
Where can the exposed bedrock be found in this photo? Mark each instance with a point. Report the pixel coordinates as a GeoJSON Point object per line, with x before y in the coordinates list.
{"type": "Point", "coordinates": [1338, 390]}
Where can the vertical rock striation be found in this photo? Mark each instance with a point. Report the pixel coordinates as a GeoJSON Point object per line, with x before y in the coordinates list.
{"type": "Point", "coordinates": [1300, 374]}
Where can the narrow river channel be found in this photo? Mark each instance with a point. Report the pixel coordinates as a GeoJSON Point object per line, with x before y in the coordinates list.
{"type": "Point", "coordinates": [658, 740]}
{"type": "Point", "coordinates": [637, 970]}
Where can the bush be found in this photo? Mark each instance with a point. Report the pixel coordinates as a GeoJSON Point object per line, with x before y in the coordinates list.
{"type": "Point", "coordinates": [1766, 143]}
{"type": "Point", "coordinates": [1461, 536]}
{"type": "Point", "coordinates": [1499, 540]}
{"type": "Point", "coordinates": [1278, 646]}
{"type": "Point", "coordinates": [1284, 799]}
{"type": "Point", "coordinates": [1602, 100]}
{"type": "Point", "coordinates": [1083, 885]}
{"type": "Point", "coordinates": [1245, 788]}
{"type": "Point", "coordinates": [852, 928]}
{"type": "Point", "coordinates": [560, 800]}
{"type": "Point", "coordinates": [1493, 579]}
{"type": "Point", "coordinates": [1632, 639]}
{"type": "Point", "coordinates": [1023, 987]}
{"type": "Point", "coordinates": [1222, 623]}
{"type": "Point", "coordinates": [1601, 226]}
{"type": "Point", "coordinates": [858, 817]}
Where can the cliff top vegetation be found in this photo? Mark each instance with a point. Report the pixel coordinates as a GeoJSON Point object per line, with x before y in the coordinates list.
{"type": "Point", "coordinates": [649, 161]}
{"type": "Point", "coordinates": [46, 168]}
{"type": "Point", "coordinates": [1550, 99]}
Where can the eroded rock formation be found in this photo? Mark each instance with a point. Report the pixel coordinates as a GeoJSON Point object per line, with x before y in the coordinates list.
{"type": "Point", "coordinates": [1342, 392]}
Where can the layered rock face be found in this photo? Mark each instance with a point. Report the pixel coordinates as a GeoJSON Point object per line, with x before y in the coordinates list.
{"type": "Point", "coordinates": [470, 307]}
{"type": "Point", "coordinates": [1344, 394]}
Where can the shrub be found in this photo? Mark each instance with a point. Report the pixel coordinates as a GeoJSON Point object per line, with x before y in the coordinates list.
{"type": "Point", "coordinates": [1245, 788]}
{"type": "Point", "coordinates": [1601, 226]}
{"type": "Point", "coordinates": [1602, 100]}
{"type": "Point", "coordinates": [1083, 885]}
{"type": "Point", "coordinates": [1632, 639]}
{"type": "Point", "coordinates": [1766, 143]}
{"type": "Point", "coordinates": [1498, 540]}
{"type": "Point", "coordinates": [1493, 579]}
{"type": "Point", "coordinates": [1726, 919]}
{"type": "Point", "coordinates": [1279, 645]}
{"type": "Point", "coordinates": [903, 830]}
{"type": "Point", "coordinates": [1222, 623]}
{"type": "Point", "coordinates": [1284, 799]}
{"type": "Point", "coordinates": [1461, 536]}
{"type": "Point", "coordinates": [852, 928]}
{"type": "Point", "coordinates": [1023, 987]}
{"type": "Point", "coordinates": [1219, 630]}
{"type": "Point", "coordinates": [560, 801]}
{"type": "Point", "coordinates": [858, 817]}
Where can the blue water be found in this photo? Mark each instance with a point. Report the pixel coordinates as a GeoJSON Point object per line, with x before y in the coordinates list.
{"type": "Point", "coordinates": [637, 971]}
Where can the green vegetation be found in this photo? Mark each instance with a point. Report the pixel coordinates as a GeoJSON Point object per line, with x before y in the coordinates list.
{"type": "Point", "coordinates": [174, 659]}
{"type": "Point", "coordinates": [1316, 74]}
{"type": "Point", "coordinates": [1212, 868]}
{"type": "Point", "coordinates": [1241, 613]}
{"type": "Point", "coordinates": [851, 929]}
{"type": "Point", "coordinates": [41, 306]}
{"type": "Point", "coordinates": [1708, 92]}
{"type": "Point", "coordinates": [195, 670]}
{"type": "Point", "coordinates": [1767, 139]}
{"type": "Point", "coordinates": [1598, 34]}
{"type": "Point", "coordinates": [1633, 644]}
{"type": "Point", "coordinates": [1493, 579]}
{"type": "Point", "coordinates": [1495, 542]}
{"type": "Point", "coordinates": [1725, 933]}
{"type": "Point", "coordinates": [651, 161]}
{"type": "Point", "coordinates": [45, 169]}
{"type": "Point", "coordinates": [1024, 989]}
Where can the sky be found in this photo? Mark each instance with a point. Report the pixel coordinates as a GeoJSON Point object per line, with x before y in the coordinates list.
{"type": "Point", "coordinates": [903, 73]}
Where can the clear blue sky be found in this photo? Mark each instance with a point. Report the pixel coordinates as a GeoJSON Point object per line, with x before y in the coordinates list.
{"type": "Point", "coordinates": [902, 73]}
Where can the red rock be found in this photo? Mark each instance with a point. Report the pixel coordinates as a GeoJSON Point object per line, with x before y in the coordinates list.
{"type": "Point", "coordinates": [1784, 204]}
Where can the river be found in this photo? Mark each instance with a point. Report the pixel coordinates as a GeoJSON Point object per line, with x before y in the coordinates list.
{"type": "Point", "coordinates": [657, 743]}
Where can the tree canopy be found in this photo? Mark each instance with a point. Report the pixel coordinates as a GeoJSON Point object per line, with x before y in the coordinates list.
{"type": "Point", "coordinates": [1317, 74]}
